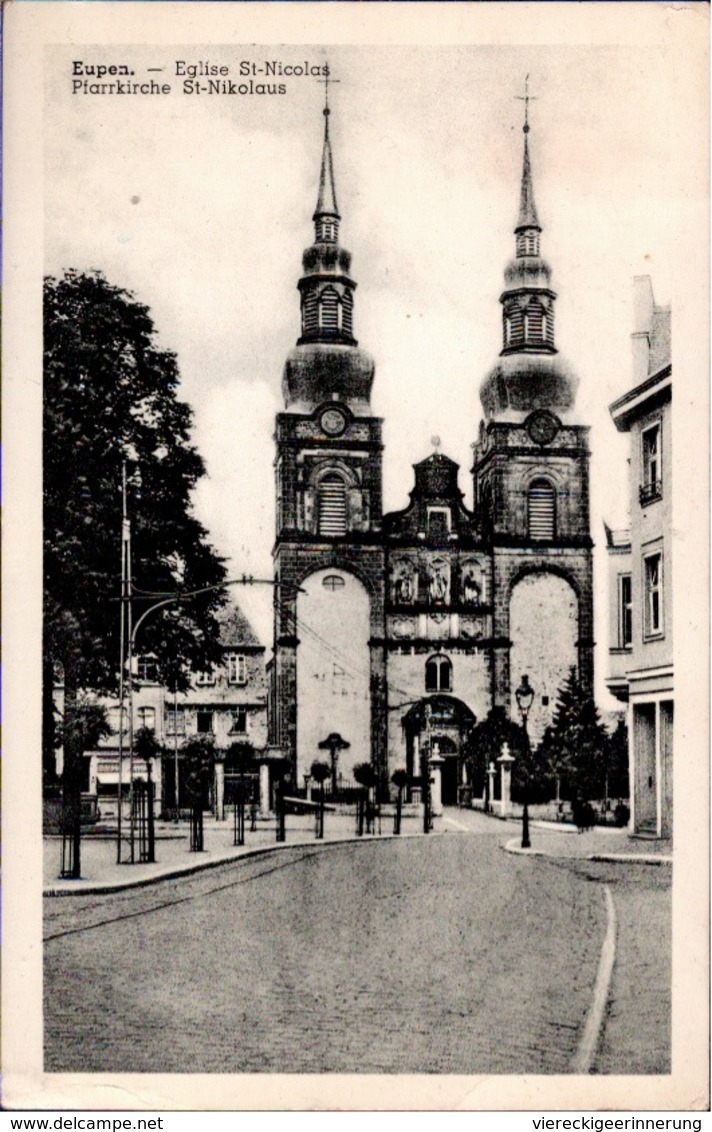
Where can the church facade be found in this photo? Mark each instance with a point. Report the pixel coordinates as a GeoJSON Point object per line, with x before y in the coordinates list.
{"type": "Point", "coordinates": [400, 631]}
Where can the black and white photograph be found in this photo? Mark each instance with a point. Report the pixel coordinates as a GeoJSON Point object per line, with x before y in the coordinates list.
{"type": "Point", "coordinates": [354, 527]}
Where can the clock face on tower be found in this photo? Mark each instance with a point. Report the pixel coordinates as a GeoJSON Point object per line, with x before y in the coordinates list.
{"type": "Point", "coordinates": [333, 422]}
{"type": "Point", "coordinates": [542, 426]}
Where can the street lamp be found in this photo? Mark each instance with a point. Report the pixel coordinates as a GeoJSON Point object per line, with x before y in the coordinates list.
{"type": "Point", "coordinates": [524, 696]}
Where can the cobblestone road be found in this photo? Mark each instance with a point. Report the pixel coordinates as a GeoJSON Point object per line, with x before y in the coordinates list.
{"type": "Point", "coordinates": [438, 954]}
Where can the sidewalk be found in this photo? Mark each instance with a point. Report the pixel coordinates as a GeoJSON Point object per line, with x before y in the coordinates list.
{"type": "Point", "coordinates": [597, 844]}
{"type": "Point", "coordinates": [560, 839]}
{"type": "Point", "coordinates": [101, 873]}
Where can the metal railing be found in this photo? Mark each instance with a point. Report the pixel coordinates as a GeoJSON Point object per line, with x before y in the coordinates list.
{"type": "Point", "coordinates": [649, 492]}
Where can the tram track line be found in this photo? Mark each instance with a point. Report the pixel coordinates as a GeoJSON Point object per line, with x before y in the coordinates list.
{"type": "Point", "coordinates": [179, 899]}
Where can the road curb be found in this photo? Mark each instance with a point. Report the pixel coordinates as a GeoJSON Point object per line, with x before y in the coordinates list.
{"type": "Point", "coordinates": [593, 1027]}
{"type": "Point", "coordinates": [94, 889]}
{"type": "Point", "coordinates": [514, 847]}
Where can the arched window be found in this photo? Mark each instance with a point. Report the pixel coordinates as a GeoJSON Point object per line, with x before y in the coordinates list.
{"type": "Point", "coordinates": [438, 674]}
{"type": "Point", "coordinates": [329, 309]}
{"type": "Point", "coordinates": [333, 582]}
{"type": "Point", "coordinates": [541, 510]}
{"type": "Point", "coordinates": [332, 505]}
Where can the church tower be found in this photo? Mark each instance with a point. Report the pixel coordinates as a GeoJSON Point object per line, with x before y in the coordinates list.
{"type": "Point", "coordinates": [531, 487]}
{"type": "Point", "coordinates": [328, 668]}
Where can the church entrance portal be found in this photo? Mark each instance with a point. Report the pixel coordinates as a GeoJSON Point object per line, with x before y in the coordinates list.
{"type": "Point", "coordinates": [440, 725]}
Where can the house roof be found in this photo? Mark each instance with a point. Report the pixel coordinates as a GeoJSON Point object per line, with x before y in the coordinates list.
{"type": "Point", "coordinates": [235, 629]}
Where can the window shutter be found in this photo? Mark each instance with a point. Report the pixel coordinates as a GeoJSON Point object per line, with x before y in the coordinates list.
{"type": "Point", "coordinates": [329, 309]}
{"type": "Point", "coordinates": [542, 510]}
{"type": "Point", "coordinates": [310, 313]}
{"type": "Point", "coordinates": [332, 506]}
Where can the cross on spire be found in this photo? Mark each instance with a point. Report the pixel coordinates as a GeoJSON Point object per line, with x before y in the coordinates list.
{"type": "Point", "coordinates": [326, 80]}
{"type": "Point", "coordinates": [526, 98]}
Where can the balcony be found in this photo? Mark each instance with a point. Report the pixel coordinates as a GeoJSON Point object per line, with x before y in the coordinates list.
{"type": "Point", "coordinates": [649, 492]}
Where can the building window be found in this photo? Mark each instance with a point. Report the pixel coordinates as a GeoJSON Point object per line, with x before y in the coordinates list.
{"type": "Point", "coordinates": [541, 510]}
{"type": "Point", "coordinates": [332, 506]}
{"type": "Point", "coordinates": [652, 486]}
{"type": "Point", "coordinates": [526, 321]}
{"type": "Point", "coordinates": [175, 722]}
{"type": "Point", "coordinates": [147, 669]}
{"type": "Point", "coordinates": [204, 722]}
{"type": "Point", "coordinates": [625, 611]}
{"type": "Point", "coordinates": [147, 718]}
{"type": "Point", "coordinates": [507, 331]}
{"type": "Point", "coordinates": [544, 328]}
{"type": "Point", "coordinates": [236, 668]}
{"type": "Point", "coordinates": [653, 589]}
{"type": "Point", "coordinates": [238, 723]}
{"type": "Point", "coordinates": [438, 674]}
{"type": "Point", "coordinates": [205, 679]}
{"type": "Point", "coordinates": [333, 582]}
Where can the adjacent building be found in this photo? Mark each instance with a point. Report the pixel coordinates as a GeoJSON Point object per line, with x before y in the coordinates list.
{"type": "Point", "coordinates": [228, 704]}
{"type": "Point", "coordinates": [399, 631]}
{"type": "Point", "coordinates": [640, 571]}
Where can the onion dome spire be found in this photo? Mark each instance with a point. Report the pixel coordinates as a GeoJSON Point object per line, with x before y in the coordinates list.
{"type": "Point", "coordinates": [528, 221]}
{"type": "Point", "coordinates": [326, 288]}
{"type": "Point", "coordinates": [326, 364]}
{"type": "Point", "coordinates": [528, 375]}
{"type": "Point", "coordinates": [326, 216]}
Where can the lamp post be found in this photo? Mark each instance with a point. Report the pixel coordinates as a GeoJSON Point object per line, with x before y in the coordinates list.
{"type": "Point", "coordinates": [524, 696]}
{"type": "Point", "coordinates": [425, 773]}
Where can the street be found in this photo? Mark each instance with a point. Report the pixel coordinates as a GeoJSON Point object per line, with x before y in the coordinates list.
{"type": "Point", "coordinates": [427, 955]}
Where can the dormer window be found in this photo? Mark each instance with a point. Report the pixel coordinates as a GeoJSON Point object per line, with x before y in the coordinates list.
{"type": "Point", "coordinates": [236, 668]}
{"type": "Point", "coordinates": [147, 669]}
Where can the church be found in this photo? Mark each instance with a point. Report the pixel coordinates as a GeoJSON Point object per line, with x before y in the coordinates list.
{"type": "Point", "coordinates": [399, 632]}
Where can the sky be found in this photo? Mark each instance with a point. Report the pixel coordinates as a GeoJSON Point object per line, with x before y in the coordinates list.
{"type": "Point", "coordinates": [201, 206]}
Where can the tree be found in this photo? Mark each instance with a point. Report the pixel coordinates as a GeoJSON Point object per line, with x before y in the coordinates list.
{"type": "Point", "coordinates": [110, 399]}
{"type": "Point", "coordinates": [617, 762]}
{"type": "Point", "coordinates": [199, 755]}
{"type": "Point", "coordinates": [320, 771]}
{"type": "Point", "coordinates": [485, 742]}
{"type": "Point", "coordinates": [575, 744]}
{"type": "Point", "coordinates": [399, 778]}
{"type": "Point", "coordinates": [365, 775]}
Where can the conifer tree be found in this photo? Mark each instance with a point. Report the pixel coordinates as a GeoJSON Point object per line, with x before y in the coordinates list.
{"type": "Point", "coordinates": [575, 745]}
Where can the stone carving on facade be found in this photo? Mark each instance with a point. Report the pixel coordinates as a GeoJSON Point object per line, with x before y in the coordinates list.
{"type": "Point", "coordinates": [404, 586]}
{"type": "Point", "coordinates": [472, 585]}
{"type": "Point", "coordinates": [470, 628]}
{"type": "Point", "coordinates": [438, 626]}
{"type": "Point", "coordinates": [403, 627]}
{"type": "Point", "coordinates": [439, 581]}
